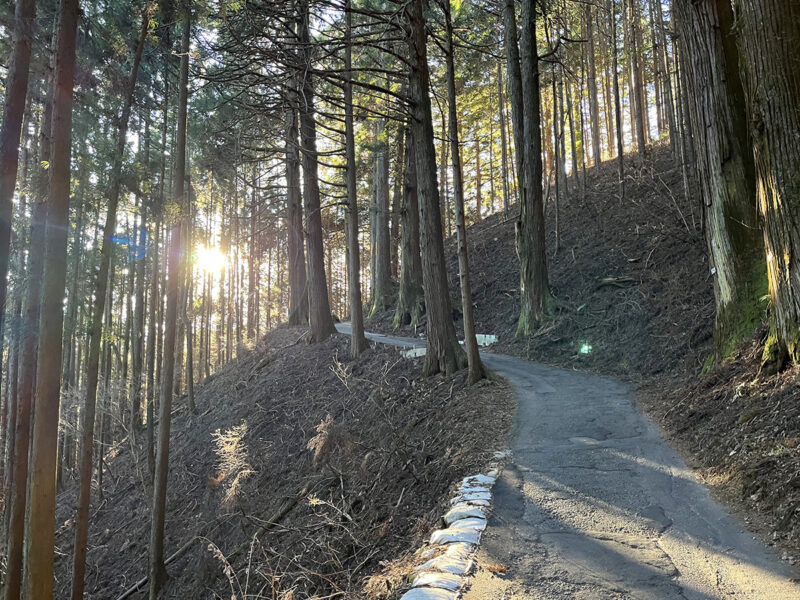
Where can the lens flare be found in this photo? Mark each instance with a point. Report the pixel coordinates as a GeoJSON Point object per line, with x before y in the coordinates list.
{"type": "Point", "coordinates": [209, 259]}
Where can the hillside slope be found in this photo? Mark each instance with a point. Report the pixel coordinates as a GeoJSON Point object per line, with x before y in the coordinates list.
{"type": "Point", "coordinates": [352, 459]}
{"type": "Point", "coordinates": [631, 277]}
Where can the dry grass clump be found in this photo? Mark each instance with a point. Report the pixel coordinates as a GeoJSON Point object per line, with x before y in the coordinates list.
{"type": "Point", "coordinates": [232, 461]}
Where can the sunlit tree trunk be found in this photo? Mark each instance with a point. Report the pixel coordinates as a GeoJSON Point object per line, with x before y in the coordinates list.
{"type": "Point", "coordinates": [725, 170]}
{"type": "Point", "coordinates": [769, 39]}
{"type": "Point", "coordinates": [39, 530]}
{"type": "Point", "coordinates": [397, 200]}
{"type": "Point", "coordinates": [664, 68]}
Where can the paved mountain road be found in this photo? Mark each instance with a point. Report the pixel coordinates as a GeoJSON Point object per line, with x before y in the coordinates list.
{"type": "Point", "coordinates": [595, 505]}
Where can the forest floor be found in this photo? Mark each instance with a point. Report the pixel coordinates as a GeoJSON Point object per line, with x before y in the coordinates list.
{"type": "Point", "coordinates": [352, 459]}
{"type": "Point", "coordinates": [636, 301]}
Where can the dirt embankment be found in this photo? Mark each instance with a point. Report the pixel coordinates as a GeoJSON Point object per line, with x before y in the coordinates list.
{"type": "Point", "coordinates": [351, 459]}
{"type": "Point", "coordinates": [636, 301]}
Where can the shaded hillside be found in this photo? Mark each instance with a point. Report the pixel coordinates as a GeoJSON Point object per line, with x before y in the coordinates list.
{"type": "Point", "coordinates": [352, 459]}
{"type": "Point", "coordinates": [631, 277]}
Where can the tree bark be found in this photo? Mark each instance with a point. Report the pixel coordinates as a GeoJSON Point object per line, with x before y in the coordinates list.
{"type": "Point", "coordinates": [769, 40]}
{"type": "Point", "coordinates": [617, 103]}
{"type": "Point", "coordinates": [176, 270]}
{"type": "Point", "coordinates": [24, 404]}
{"type": "Point", "coordinates": [320, 317]}
{"type": "Point", "coordinates": [411, 299]}
{"type": "Point", "coordinates": [298, 284]}
{"type": "Point", "coordinates": [594, 109]}
{"type": "Point", "coordinates": [381, 274]}
{"type": "Point", "coordinates": [515, 92]}
{"type": "Point", "coordinates": [10, 131]}
{"type": "Point", "coordinates": [474, 364]}
{"type": "Point", "coordinates": [39, 530]}
{"type": "Point", "coordinates": [726, 173]}
{"type": "Point", "coordinates": [357, 340]}
{"type": "Point", "coordinates": [443, 353]}
{"type": "Point", "coordinates": [96, 331]}
{"type": "Point", "coordinates": [536, 300]}
{"type": "Point", "coordinates": [503, 144]}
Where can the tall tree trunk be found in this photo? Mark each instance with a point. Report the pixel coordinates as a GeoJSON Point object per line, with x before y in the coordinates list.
{"type": "Point", "coordinates": [137, 329]}
{"type": "Point", "coordinates": [726, 172]}
{"type": "Point", "coordinates": [769, 41]}
{"type": "Point", "coordinates": [594, 109]}
{"type": "Point", "coordinates": [10, 130]}
{"type": "Point", "coordinates": [535, 294]}
{"type": "Point", "coordinates": [492, 194]}
{"type": "Point", "coordinates": [252, 267]}
{"type": "Point", "coordinates": [504, 147]}
{"type": "Point", "coordinates": [18, 448]}
{"type": "Point", "coordinates": [475, 366]}
{"type": "Point", "coordinates": [674, 136]}
{"type": "Point", "coordinates": [411, 299]}
{"type": "Point", "coordinates": [39, 530]}
{"type": "Point", "coordinates": [381, 275]}
{"type": "Point", "coordinates": [96, 332]}
{"type": "Point", "coordinates": [515, 91]}
{"type": "Point", "coordinates": [397, 200]}
{"type": "Point", "coordinates": [298, 284]}
{"type": "Point", "coordinates": [640, 94]}
{"type": "Point", "coordinates": [320, 317]}
{"type": "Point", "coordinates": [357, 341]}
{"type": "Point", "coordinates": [8, 418]}
{"type": "Point", "coordinates": [151, 343]}
{"type": "Point", "coordinates": [617, 103]}
{"type": "Point", "coordinates": [478, 182]}
{"type": "Point", "coordinates": [443, 353]}
{"type": "Point", "coordinates": [24, 404]}
{"type": "Point", "coordinates": [157, 571]}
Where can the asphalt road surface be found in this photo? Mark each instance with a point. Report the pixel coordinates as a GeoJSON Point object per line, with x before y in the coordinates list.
{"type": "Point", "coordinates": [596, 505]}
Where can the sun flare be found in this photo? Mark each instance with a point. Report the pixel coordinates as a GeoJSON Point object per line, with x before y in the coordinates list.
{"type": "Point", "coordinates": [209, 259]}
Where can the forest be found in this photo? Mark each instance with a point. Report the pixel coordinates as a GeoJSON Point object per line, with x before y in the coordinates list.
{"type": "Point", "coordinates": [187, 186]}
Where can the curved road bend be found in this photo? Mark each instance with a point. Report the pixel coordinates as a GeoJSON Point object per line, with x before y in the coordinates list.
{"type": "Point", "coordinates": [595, 505]}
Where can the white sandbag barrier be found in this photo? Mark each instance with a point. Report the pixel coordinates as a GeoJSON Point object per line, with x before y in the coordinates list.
{"type": "Point", "coordinates": [449, 554]}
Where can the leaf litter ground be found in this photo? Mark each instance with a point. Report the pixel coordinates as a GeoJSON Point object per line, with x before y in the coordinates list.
{"type": "Point", "coordinates": [352, 459]}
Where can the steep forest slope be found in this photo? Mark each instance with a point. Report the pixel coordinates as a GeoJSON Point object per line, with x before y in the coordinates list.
{"type": "Point", "coordinates": [631, 277]}
{"type": "Point", "coordinates": [636, 301]}
{"type": "Point", "coordinates": [300, 473]}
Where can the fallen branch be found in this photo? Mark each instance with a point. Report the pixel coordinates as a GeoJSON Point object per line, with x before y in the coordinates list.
{"type": "Point", "coordinates": [272, 521]}
{"type": "Point", "coordinates": [171, 558]}
{"type": "Point", "coordinates": [616, 281]}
